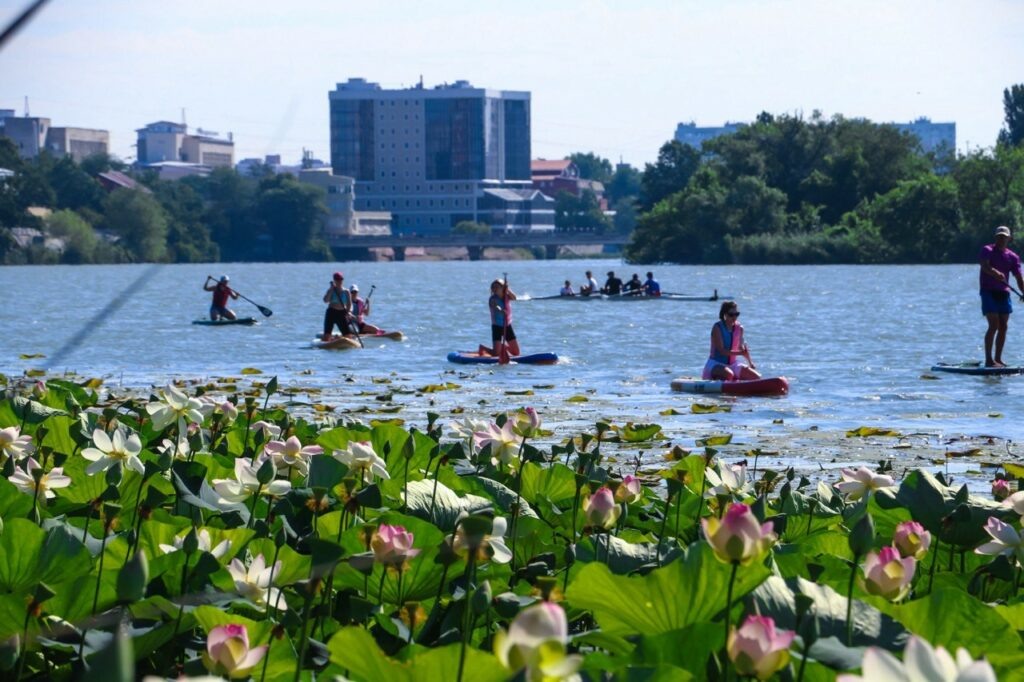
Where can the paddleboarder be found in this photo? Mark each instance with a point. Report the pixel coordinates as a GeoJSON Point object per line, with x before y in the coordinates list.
{"type": "Point", "coordinates": [360, 309]}
{"type": "Point", "coordinates": [339, 308]}
{"type": "Point", "coordinates": [221, 293]}
{"type": "Point", "coordinates": [500, 304]}
{"type": "Point", "coordinates": [997, 262]}
{"type": "Point", "coordinates": [651, 286]}
{"type": "Point", "coordinates": [727, 345]}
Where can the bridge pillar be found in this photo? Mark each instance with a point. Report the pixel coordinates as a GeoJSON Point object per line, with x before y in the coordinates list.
{"type": "Point", "coordinates": [475, 252]}
{"type": "Point", "coordinates": [551, 251]}
{"type": "Point", "coordinates": [399, 252]}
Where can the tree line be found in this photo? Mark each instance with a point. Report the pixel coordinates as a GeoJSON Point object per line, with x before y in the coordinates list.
{"type": "Point", "coordinates": [224, 216]}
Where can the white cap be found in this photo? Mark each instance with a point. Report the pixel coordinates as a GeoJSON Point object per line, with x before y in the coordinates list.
{"type": "Point", "coordinates": [354, 287]}
{"type": "Point", "coordinates": [1002, 231]}
{"type": "Point", "coordinates": [225, 278]}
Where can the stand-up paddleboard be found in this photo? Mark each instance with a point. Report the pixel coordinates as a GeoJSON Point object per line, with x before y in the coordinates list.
{"type": "Point", "coordinates": [223, 321]}
{"type": "Point", "coordinates": [394, 336]}
{"type": "Point", "coordinates": [337, 342]}
{"type": "Point", "coordinates": [763, 386]}
{"type": "Point", "coordinates": [975, 368]}
{"type": "Point", "coordinates": [472, 358]}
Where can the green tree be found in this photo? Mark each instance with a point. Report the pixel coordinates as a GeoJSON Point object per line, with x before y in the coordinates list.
{"type": "Point", "coordinates": [582, 213]}
{"type": "Point", "coordinates": [293, 214]}
{"type": "Point", "coordinates": [625, 215]}
{"type": "Point", "coordinates": [1012, 133]}
{"type": "Point", "coordinates": [675, 166]}
{"type": "Point", "coordinates": [592, 166]}
{"type": "Point", "coordinates": [188, 238]}
{"type": "Point", "coordinates": [229, 215]}
{"type": "Point", "coordinates": [991, 190]}
{"type": "Point", "coordinates": [80, 240]}
{"type": "Point", "coordinates": [471, 227]}
{"type": "Point", "coordinates": [625, 183]}
{"type": "Point", "coordinates": [73, 187]}
{"type": "Point", "coordinates": [920, 219]}
{"type": "Point", "coordinates": [141, 223]}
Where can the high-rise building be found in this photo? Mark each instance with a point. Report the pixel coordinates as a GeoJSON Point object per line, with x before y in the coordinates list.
{"type": "Point", "coordinates": [438, 156]}
{"type": "Point", "coordinates": [933, 136]}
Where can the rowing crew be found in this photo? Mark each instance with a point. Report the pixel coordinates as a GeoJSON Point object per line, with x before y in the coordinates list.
{"type": "Point", "coordinates": [614, 286]}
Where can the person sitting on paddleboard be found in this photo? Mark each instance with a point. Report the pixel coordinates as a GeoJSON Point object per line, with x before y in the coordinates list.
{"type": "Point", "coordinates": [500, 304]}
{"type": "Point", "coordinates": [613, 285]}
{"type": "Point", "coordinates": [633, 287]}
{"type": "Point", "coordinates": [339, 308]}
{"type": "Point", "coordinates": [727, 346]}
{"type": "Point", "coordinates": [997, 262]}
{"type": "Point", "coordinates": [567, 290]}
{"type": "Point", "coordinates": [360, 309]}
{"type": "Point", "coordinates": [221, 292]}
{"type": "Point", "coordinates": [589, 288]}
{"type": "Point", "coordinates": [651, 286]}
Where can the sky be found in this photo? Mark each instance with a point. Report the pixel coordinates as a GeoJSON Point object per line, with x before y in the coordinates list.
{"type": "Point", "coordinates": [609, 77]}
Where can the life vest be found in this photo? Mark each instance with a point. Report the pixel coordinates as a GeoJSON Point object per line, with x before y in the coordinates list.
{"type": "Point", "coordinates": [733, 339]}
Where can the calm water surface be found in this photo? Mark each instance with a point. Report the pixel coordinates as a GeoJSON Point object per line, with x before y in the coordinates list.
{"type": "Point", "coordinates": [855, 341]}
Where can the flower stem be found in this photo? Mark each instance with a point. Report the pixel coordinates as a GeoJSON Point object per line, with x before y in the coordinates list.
{"type": "Point", "coordinates": [467, 615]}
{"type": "Point", "coordinates": [728, 617]}
{"type": "Point", "coordinates": [931, 571]}
{"type": "Point", "coordinates": [515, 511]}
{"type": "Point", "coordinates": [664, 520]}
{"type": "Point", "coordinates": [304, 642]}
{"type": "Point", "coordinates": [849, 601]}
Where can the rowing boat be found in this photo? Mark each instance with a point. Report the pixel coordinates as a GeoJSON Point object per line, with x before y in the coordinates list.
{"type": "Point", "coordinates": [628, 298]}
{"type": "Point", "coordinates": [474, 358]}
{"type": "Point", "coordinates": [975, 368]}
{"type": "Point", "coordinates": [763, 386]}
{"type": "Point", "coordinates": [222, 322]}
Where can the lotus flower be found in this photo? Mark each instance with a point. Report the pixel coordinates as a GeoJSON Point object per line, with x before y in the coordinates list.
{"type": "Point", "coordinates": [179, 450]}
{"type": "Point", "coordinates": [465, 428]}
{"type": "Point", "coordinates": [172, 406]}
{"type": "Point", "coordinates": [1005, 540]}
{"type": "Point", "coordinates": [492, 546]}
{"type": "Point", "coordinates": [26, 481]}
{"type": "Point", "coordinates": [1000, 489]}
{"type": "Point", "coordinates": [757, 649]}
{"type": "Point", "coordinates": [14, 445]}
{"type": "Point", "coordinates": [360, 458]}
{"type": "Point", "coordinates": [256, 582]}
{"type": "Point", "coordinates": [1016, 502]}
{"type": "Point", "coordinates": [270, 431]}
{"type": "Point", "coordinates": [727, 481]}
{"type": "Point", "coordinates": [536, 641]}
{"type": "Point", "coordinates": [203, 536]}
{"type": "Point", "coordinates": [911, 539]}
{"type": "Point", "coordinates": [527, 423]}
{"type": "Point", "coordinates": [228, 653]}
{"type": "Point", "coordinates": [228, 409]}
{"type": "Point", "coordinates": [630, 490]}
{"type": "Point", "coordinates": [108, 452]}
{"type": "Point", "coordinates": [738, 536]}
{"type": "Point", "coordinates": [888, 575]}
{"type": "Point", "coordinates": [600, 509]}
{"type": "Point", "coordinates": [504, 444]}
{"type": "Point", "coordinates": [861, 482]}
{"type": "Point", "coordinates": [392, 545]}
{"type": "Point", "coordinates": [246, 483]}
{"type": "Point", "coordinates": [290, 454]}
{"type": "Point", "coordinates": [921, 662]}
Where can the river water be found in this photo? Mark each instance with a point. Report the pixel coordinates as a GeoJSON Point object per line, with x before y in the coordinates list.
{"type": "Point", "coordinates": [856, 342]}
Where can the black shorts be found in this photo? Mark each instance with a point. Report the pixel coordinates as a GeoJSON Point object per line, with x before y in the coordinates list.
{"type": "Point", "coordinates": [332, 317]}
{"type": "Point", "coordinates": [496, 331]}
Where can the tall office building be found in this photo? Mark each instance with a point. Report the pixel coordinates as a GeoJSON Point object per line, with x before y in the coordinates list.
{"type": "Point", "coordinates": [934, 137]}
{"type": "Point", "coordinates": [438, 156]}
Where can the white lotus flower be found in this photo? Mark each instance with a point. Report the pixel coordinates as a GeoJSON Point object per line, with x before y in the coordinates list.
{"type": "Point", "coordinates": [1005, 540]}
{"type": "Point", "coordinates": [492, 546]}
{"type": "Point", "coordinates": [465, 428]}
{"type": "Point", "coordinates": [861, 482]}
{"type": "Point", "coordinates": [172, 406]}
{"type": "Point", "coordinates": [228, 409]}
{"type": "Point", "coordinates": [203, 536]}
{"type": "Point", "coordinates": [108, 452]}
{"type": "Point", "coordinates": [728, 480]}
{"type": "Point", "coordinates": [536, 640]}
{"type": "Point", "coordinates": [921, 663]}
{"type": "Point", "coordinates": [14, 445]}
{"type": "Point", "coordinates": [180, 451]}
{"type": "Point", "coordinates": [270, 431]}
{"type": "Point", "coordinates": [290, 454]}
{"type": "Point", "coordinates": [246, 484]}
{"type": "Point", "coordinates": [256, 582]}
{"type": "Point", "coordinates": [504, 444]}
{"type": "Point", "coordinates": [26, 482]}
{"type": "Point", "coordinates": [360, 457]}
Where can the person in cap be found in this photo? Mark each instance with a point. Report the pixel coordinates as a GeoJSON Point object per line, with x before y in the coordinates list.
{"type": "Point", "coordinates": [589, 287]}
{"type": "Point", "coordinates": [360, 309]}
{"type": "Point", "coordinates": [221, 292]}
{"type": "Point", "coordinates": [339, 308]}
{"type": "Point", "coordinates": [997, 263]}
{"type": "Point", "coordinates": [613, 285]}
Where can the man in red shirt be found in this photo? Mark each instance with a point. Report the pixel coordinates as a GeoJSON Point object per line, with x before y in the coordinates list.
{"type": "Point", "coordinates": [997, 262]}
{"type": "Point", "coordinates": [221, 292]}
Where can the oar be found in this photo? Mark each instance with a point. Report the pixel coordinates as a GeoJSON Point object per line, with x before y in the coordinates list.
{"type": "Point", "coordinates": [267, 312]}
{"type": "Point", "coordinates": [503, 358]}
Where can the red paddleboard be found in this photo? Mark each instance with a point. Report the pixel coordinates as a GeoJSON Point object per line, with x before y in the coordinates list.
{"type": "Point", "coordinates": [763, 386]}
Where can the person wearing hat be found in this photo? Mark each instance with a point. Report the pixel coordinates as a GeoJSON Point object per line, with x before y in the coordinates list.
{"type": "Point", "coordinates": [221, 292]}
{"type": "Point", "coordinates": [997, 262]}
{"type": "Point", "coordinates": [613, 285]}
{"type": "Point", "coordinates": [360, 309]}
{"type": "Point", "coordinates": [339, 308]}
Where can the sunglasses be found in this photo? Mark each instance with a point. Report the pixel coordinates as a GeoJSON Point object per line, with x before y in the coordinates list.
{"type": "Point", "coordinates": [733, 314]}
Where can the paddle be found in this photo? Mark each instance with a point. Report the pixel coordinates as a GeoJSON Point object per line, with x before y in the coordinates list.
{"type": "Point", "coordinates": [353, 322]}
{"type": "Point", "coordinates": [267, 312]}
{"type": "Point", "coordinates": [1019, 295]}
{"type": "Point", "coordinates": [503, 357]}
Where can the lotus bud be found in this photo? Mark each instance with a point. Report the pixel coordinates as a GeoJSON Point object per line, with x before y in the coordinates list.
{"type": "Point", "coordinates": [757, 649]}
{"type": "Point", "coordinates": [481, 599]}
{"type": "Point", "coordinates": [911, 539]}
{"type": "Point", "coordinates": [392, 545]}
{"type": "Point", "coordinates": [888, 575]}
{"type": "Point", "coordinates": [228, 653]}
{"type": "Point", "coordinates": [630, 490]}
{"type": "Point", "coordinates": [1000, 489]}
{"type": "Point", "coordinates": [738, 536]}
{"type": "Point", "coordinates": [862, 537]}
{"type": "Point", "coordinates": [601, 510]}
{"type": "Point", "coordinates": [133, 578]}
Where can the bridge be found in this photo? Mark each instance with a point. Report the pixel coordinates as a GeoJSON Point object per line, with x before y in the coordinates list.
{"type": "Point", "coordinates": [355, 247]}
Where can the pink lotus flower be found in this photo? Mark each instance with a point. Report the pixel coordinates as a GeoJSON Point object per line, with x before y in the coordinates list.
{"type": "Point", "coordinates": [630, 490]}
{"type": "Point", "coordinates": [228, 409]}
{"type": "Point", "coordinates": [921, 662]}
{"type": "Point", "coordinates": [536, 641]}
{"type": "Point", "coordinates": [527, 423]}
{"type": "Point", "coordinates": [14, 445]}
{"type": "Point", "coordinates": [861, 482]}
{"type": "Point", "coordinates": [1000, 489]}
{"type": "Point", "coordinates": [392, 545]}
{"type": "Point", "coordinates": [228, 653]}
{"type": "Point", "coordinates": [1005, 540]}
{"type": "Point", "coordinates": [911, 539]}
{"type": "Point", "coordinates": [600, 509]}
{"type": "Point", "coordinates": [291, 454]}
{"type": "Point", "coordinates": [738, 536]}
{"type": "Point", "coordinates": [757, 649]}
{"type": "Point", "coordinates": [1016, 502]}
{"type": "Point", "coordinates": [888, 575]}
